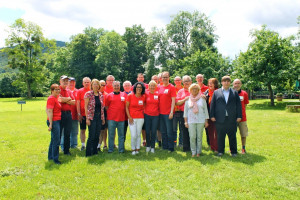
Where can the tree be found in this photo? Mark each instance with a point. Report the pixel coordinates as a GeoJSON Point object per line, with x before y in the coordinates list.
{"type": "Point", "coordinates": [110, 55]}
{"type": "Point", "coordinates": [269, 60]}
{"type": "Point", "coordinates": [136, 54]}
{"type": "Point", "coordinates": [25, 45]}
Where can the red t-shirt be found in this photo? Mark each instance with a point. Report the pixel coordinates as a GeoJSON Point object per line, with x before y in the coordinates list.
{"type": "Point", "coordinates": [136, 105]}
{"type": "Point", "coordinates": [52, 103]}
{"type": "Point", "coordinates": [80, 97]}
{"type": "Point", "coordinates": [165, 98]}
{"type": "Point", "coordinates": [244, 101]}
{"type": "Point", "coordinates": [181, 95]}
{"type": "Point", "coordinates": [104, 94]}
{"type": "Point", "coordinates": [66, 93]}
{"type": "Point", "coordinates": [177, 89]}
{"type": "Point", "coordinates": [116, 106]}
{"type": "Point", "coordinates": [108, 89]}
{"type": "Point", "coordinates": [73, 107]}
{"type": "Point", "coordinates": [152, 103]}
{"type": "Point", "coordinates": [204, 88]}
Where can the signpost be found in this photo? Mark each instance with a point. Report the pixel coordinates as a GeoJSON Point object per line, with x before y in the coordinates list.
{"type": "Point", "coordinates": [21, 102]}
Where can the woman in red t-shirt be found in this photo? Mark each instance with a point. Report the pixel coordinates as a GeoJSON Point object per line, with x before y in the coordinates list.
{"type": "Point", "coordinates": [151, 115]}
{"type": "Point", "coordinates": [135, 103]}
{"type": "Point", "coordinates": [53, 110]}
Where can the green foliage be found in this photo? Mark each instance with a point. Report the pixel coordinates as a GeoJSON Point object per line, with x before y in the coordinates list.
{"type": "Point", "coordinates": [110, 55]}
{"type": "Point", "coordinates": [136, 54]}
{"type": "Point", "coordinates": [269, 60]}
{"type": "Point", "coordinates": [25, 44]}
{"type": "Point", "coordinates": [6, 85]}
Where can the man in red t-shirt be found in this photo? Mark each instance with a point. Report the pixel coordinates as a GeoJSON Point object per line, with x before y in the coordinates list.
{"type": "Point", "coordinates": [109, 81]}
{"type": "Point", "coordinates": [237, 84]}
{"type": "Point", "coordinates": [86, 82]}
{"type": "Point", "coordinates": [177, 114]}
{"type": "Point", "coordinates": [200, 79]}
{"type": "Point", "coordinates": [66, 99]}
{"type": "Point", "coordinates": [167, 95]}
{"type": "Point", "coordinates": [115, 106]}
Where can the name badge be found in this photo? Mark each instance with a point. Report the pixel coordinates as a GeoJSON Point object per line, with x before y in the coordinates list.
{"type": "Point", "coordinates": [122, 98]}
{"type": "Point", "coordinates": [242, 98]}
{"type": "Point", "coordinates": [155, 97]}
{"type": "Point", "coordinates": [166, 91]}
{"type": "Point", "coordinates": [140, 102]}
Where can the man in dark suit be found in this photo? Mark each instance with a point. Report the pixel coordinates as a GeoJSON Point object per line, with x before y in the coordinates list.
{"type": "Point", "coordinates": [226, 112]}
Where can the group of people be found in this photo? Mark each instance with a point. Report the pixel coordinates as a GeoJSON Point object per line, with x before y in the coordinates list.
{"type": "Point", "coordinates": [153, 112]}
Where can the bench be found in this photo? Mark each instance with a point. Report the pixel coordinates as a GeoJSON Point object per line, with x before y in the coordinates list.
{"type": "Point", "coordinates": [293, 107]}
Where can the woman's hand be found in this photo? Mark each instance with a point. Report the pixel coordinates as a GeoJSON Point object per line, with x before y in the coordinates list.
{"type": "Point", "coordinates": [206, 124]}
{"type": "Point", "coordinates": [186, 125]}
{"type": "Point", "coordinates": [171, 115]}
{"type": "Point", "coordinates": [131, 121]}
{"type": "Point", "coordinates": [50, 127]}
{"type": "Point", "coordinates": [103, 122]}
{"type": "Point", "coordinates": [88, 122]}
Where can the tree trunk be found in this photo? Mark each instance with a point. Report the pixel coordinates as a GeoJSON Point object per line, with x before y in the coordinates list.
{"type": "Point", "coordinates": [271, 94]}
{"type": "Point", "coordinates": [29, 95]}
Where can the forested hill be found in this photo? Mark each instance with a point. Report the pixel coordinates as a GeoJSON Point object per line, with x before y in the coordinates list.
{"type": "Point", "coordinates": [3, 57]}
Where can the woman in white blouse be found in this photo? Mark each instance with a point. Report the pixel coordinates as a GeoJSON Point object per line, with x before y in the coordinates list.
{"type": "Point", "coordinates": [195, 118]}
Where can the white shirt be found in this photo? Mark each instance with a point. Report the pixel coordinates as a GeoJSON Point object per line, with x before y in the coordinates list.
{"type": "Point", "coordinates": [198, 117]}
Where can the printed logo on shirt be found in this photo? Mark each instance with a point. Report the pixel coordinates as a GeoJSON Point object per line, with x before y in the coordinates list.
{"type": "Point", "coordinates": [122, 98]}
{"type": "Point", "coordinates": [242, 98]}
{"type": "Point", "coordinates": [155, 97]}
{"type": "Point", "coordinates": [166, 91]}
{"type": "Point", "coordinates": [140, 102]}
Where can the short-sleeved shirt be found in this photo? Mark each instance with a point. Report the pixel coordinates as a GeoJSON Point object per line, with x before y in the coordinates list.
{"type": "Point", "coordinates": [244, 101]}
{"type": "Point", "coordinates": [66, 93]}
{"type": "Point", "coordinates": [116, 106]}
{"type": "Point", "coordinates": [177, 89]}
{"type": "Point", "coordinates": [204, 88]}
{"type": "Point", "coordinates": [80, 97]}
{"type": "Point", "coordinates": [73, 107]}
{"type": "Point", "coordinates": [181, 95]}
{"type": "Point", "coordinates": [52, 103]}
{"type": "Point", "coordinates": [165, 98]}
{"type": "Point", "coordinates": [108, 89]}
{"type": "Point", "coordinates": [152, 103]}
{"type": "Point", "coordinates": [136, 105]}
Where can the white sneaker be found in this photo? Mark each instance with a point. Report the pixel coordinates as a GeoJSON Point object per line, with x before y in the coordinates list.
{"type": "Point", "coordinates": [137, 152]}
{"type": "Point", "coordinates": [147, 149]}
{"type": "Point", "coordinates": [152, 150]}
{"type": "Point", "coordinates": [133, 153]}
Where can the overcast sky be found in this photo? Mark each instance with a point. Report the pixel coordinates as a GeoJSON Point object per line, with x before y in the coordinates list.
{"type": "Point", "coordinates": [233, 19]}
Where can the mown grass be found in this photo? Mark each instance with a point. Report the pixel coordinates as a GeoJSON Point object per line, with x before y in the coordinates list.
{"type": "Point", "coordinates": [270, 169]}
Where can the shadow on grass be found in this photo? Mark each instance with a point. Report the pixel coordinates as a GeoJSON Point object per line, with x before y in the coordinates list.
{"type": "Point", "coordinates": [64, 159]}
{"type": "Point", "coordinates": [248, 158]}
{"type": "Point", "coordinates": [267, 105]}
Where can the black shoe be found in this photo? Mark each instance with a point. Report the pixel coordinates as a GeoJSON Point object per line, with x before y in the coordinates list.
{"type": "Point", "coordinates": [57, 162]}
{"type": "Point", "coordinates": [82, 148]}
{"type": "Point", "coordinates": [159, 143]}
{"type": "Point", "coordinates": [220, 154]}
{"type": "Point", "coordinates": [98, 149]}
{"type": "Point", "coordinates": [234, 155]}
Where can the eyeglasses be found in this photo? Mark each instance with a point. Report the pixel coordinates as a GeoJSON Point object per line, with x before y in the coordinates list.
{"type": "Point", "coordinates": [165, 77]}
{"type": "Point", "coordinates": [57, 89]}
{"type": "Point", "coordinates": [103, 85]}
{"type": "Point", "coordinates": [139, 87]}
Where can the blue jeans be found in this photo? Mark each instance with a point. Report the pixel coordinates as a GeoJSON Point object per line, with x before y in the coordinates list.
{"type": "Point", "coordinates": [112, 125]}
{"type": "Point", "coordinates": [94, 132]}
{"type": "Point", "coordinates": [73, 136]}
{"type": "Point", "coordinates": [167, 134]}
{"type": "Point", "coordinates": [53, 151]}
{"type": "Point", "coordinates": [178, 115]}
{"type": "Point", "coordinates": [151, 123]}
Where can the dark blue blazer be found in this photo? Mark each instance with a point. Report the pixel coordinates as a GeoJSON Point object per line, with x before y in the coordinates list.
{"type": "Point", "coordinates": [218, 106]}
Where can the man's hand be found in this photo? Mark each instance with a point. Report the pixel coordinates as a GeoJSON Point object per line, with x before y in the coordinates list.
{"type": "Point", "coordinates": [213, 119]}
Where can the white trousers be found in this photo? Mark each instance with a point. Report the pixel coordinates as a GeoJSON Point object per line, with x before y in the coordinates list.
{"type": "Point", "coordinates": [135, 132]}
{"type": "Point", "coordinates": [195, 132]}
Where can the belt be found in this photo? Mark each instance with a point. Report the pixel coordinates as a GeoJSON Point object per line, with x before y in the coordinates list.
{"type": "Point", "coordinates": [66, 111]}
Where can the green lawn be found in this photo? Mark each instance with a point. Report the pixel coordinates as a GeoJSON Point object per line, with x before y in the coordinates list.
{"type": "Point", "coordinates": [270, 169]}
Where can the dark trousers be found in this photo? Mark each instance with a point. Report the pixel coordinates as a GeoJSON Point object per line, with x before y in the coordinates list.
{"type": "Point", "coordinates": [94, 132]}
{"type": "Point", "coordinates": [151, 123]}
{"type": "Point", "coordinates": [207, 136]}
{"type": "Point", "coordinates": [53, 151]}
{"type": "Point", "coordinates": [228, 128]}
{"type": "Point", "coordinates": [125, 128]}
{"type": "Point", "coordinates": [178, 115]}
{"type": "Point", "coordinates": [167, 134]}
{"type": "Point", "coordinates": [66, 125]}
{"type": "Point", "coordinates": [185, 137]}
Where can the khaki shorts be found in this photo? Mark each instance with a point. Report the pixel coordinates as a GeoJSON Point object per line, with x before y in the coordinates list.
{"type": "Point", "coordinates": [243, 129]}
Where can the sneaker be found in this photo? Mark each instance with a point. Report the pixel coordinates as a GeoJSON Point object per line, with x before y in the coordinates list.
{"type": "Point", "coordinates": [133, 153]}
{"type": "Point", "coordinates": [220, 154]}
{"type": "Point", "coordinates": [104, 148]}
{"type": "Point", "coordinates": [137, 152]}
{"type": "Point", "coordinates": [147, 149]}
{"type": "Point", "coordinates": [152, 150]}
{"type": "Point", "coordinates": [82, 148]}
{"type": "Point", "coordinates": [243, 151]}
{"type": "Point", "coordinates": [57, 162]}
{"type": "Point", "coordinates": [234, 155]}
{"type": "Point", "coordinates": [98, 149]}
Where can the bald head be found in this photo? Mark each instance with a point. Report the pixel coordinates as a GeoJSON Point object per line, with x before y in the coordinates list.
{"type": "Point", "coordinates": [237, 84]}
